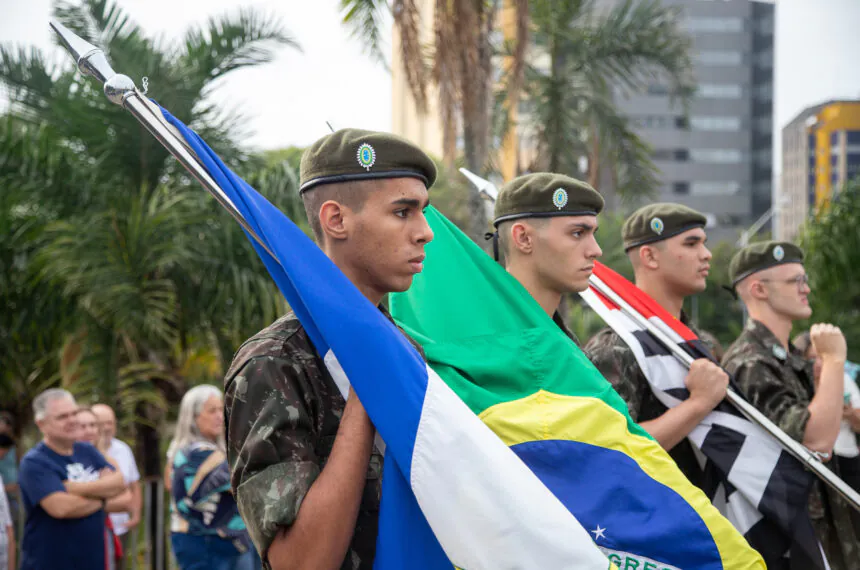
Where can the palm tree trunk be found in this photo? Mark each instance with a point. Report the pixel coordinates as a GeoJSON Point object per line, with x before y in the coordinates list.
{"type": "Point", "coordinates": [476, 70]}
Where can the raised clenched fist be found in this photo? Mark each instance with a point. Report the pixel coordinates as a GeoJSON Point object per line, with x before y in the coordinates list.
{"type": "Point", "coordinates": [829, 342]}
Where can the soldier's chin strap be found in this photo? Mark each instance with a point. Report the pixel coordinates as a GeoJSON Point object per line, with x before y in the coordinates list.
{"type": "Point", "coordinates": [495, 237]}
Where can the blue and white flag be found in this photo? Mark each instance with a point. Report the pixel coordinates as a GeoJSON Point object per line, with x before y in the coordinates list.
{"type": "Point", "coordinates": [452, 493]}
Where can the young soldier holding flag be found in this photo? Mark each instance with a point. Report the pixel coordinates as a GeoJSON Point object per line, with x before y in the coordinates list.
{"type": "Point", "coordinates": [775, 378]}
{"type": "Point", "coordinates": [306, 475]}
{"type": "Point", "coordinates": [666, 245]}
{"type": "Point", "coordinates": [546, 225]}
{"type": "Point", "coordinates": [651, 355]}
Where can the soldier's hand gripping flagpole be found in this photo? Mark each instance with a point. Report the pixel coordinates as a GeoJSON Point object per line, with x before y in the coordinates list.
{"type": "Point", "coordinates": [797, 450]}
{"type": "Point", "coordinates": [121, 90]}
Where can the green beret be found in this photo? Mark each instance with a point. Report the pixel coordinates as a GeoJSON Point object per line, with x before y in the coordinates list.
{"type": "Point", "coordinates": [656, 222]}
{"type": "Point", "coordinates": [354, 154]}
{"type": "Point", "coordinates": [760, 256]}
{"type": "Point", "coordinates": [545, 194]}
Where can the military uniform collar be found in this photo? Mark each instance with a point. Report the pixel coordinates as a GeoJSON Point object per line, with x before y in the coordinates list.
{"type": "Point", "coordinates": [768, 340]}
{"type": "Point", "coordinates": [384, 310]}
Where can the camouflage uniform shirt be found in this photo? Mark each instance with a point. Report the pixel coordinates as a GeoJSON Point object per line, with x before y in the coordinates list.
{"type": "Point", "coordinates": [282, 412]}
{"type": "Point", "coordinates": [779, 382]}
{"type": "Point", "coordinates": [611, 355]}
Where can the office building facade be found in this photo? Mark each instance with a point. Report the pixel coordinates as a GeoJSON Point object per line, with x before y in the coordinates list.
{"type": "Point", "coordinates": [718, 158]}
{"type": "Point", "coordinates": [820, 154]}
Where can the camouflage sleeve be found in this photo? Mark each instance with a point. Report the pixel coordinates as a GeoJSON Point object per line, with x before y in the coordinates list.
{"type": "Point", "coordinates": [269, 445]}
{"type": "Point", "coordinates": [614, 359]}
{"type": "Point", "coordinates": [765, 390]}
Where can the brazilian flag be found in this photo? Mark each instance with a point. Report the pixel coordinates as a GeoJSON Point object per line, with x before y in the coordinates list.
{"type": "Point", "coordinates": [490, 341]}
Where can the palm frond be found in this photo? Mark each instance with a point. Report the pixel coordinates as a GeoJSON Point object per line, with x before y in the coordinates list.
{"type": "Point", "coordinates": [28, 80]}
{"type": "Point", "coordinates": [407, 22]}
{"type": "Point", "coordinates": [637, 42]}
{"type": "Point", "coordinates": [227, 43]}
{"type": "Point", "coordinates": [363, 19]}
{"type": "Point", "coordinates": [629, 156]}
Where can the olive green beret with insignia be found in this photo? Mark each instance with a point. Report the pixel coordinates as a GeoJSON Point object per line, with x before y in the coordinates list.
{"type": "Point", "coordinates": [354, 154]}
{"type": "Point", "coordinates": [544, 194]}
{"type": "Point", "coordinates": [656, 222]}
{"type": "Point", "coordinates": [760, 256]}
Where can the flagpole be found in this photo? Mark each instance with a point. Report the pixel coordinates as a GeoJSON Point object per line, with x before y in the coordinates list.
{"type": "Point", "coordinates": [121, 90]}
{"type": "Point", "coordinates": [801, 453]}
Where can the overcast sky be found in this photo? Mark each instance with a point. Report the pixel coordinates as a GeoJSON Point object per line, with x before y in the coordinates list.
{"type": "Point", "coordinates": [287, 102]}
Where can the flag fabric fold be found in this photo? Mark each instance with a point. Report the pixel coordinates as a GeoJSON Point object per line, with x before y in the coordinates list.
{"type": "Point", "coordinates": [453, 493]}
{"type": "Point", "coordinates": [489, 340]}
{"type": "Point", "coordinates": [756, 484]}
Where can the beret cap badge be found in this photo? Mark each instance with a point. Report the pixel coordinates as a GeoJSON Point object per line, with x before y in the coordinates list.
{"type": "Point", "coordinates": [762, 255]}
{"type": "Point", "coordinates": [366, 156]}
{"type": "Point", "coordinates": [657, 226]}
{"type": "Point", "coordinates": [559, 198]}
{"type": "Point", "coordinates": [778, 253]}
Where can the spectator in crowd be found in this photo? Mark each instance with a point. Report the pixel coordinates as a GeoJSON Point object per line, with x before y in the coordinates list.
{"type": "Point", "coordinates": [207, 532]}
{"type": "Point", "coordinates": [9, 463]}
{"type": "Point", "coordinates": [121, 452]}
{"type": "Point", "coordinates": [7, 533]}
{"type": "Point", "coordinates": [65, 487]}
{"type": "Point", "coordinates": [90, 432]}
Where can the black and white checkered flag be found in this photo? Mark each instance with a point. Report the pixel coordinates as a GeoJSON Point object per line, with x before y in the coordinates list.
{"type": "Point", "coordinates": [761, 488]}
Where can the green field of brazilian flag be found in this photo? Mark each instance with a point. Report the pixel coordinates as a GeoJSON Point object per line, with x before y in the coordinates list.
{"type": "Point", "coordinates": [490, 341]}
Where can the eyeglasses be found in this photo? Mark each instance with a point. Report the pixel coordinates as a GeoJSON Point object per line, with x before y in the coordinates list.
{"type": "Point", "coordinates": [800, 281]}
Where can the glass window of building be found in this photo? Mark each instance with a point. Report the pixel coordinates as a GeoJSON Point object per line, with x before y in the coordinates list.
{"type": "Point", "coordinates": [716, 25]}
{"type": "Point", "coordinates": [764, 91]}
{"type": "Point", "coordinates": [681, 155]}
{"type": "Point", "coordinates": [719, 57]}
{"type": "Point", "coordinates": [715, 123]}
{"type": "Point", "coordinates": [709, 188]}
{"type": "Point", "coordinates": [720, 91]}
{"type": "Point", "coordinates": [681, 187]}
{"type": "Point", "coordinates": [716, 155]}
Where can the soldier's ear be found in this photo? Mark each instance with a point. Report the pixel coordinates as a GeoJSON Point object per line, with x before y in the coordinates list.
{"type": "Point", "coordinates": [522, 238]}
{"type": "Point", "coordinates": [333, 220]}
{"type": "Point", "coordinates": [649, 257]}
{"type": "Point", "coordinates": [758, 290]}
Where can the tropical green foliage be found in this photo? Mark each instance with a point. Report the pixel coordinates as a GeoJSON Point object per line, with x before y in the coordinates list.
{"type": "Point", "coordinates": [564, 63]}
{"type": "Point", "coordinates": [129, 282]}
{"type": "Point", "coordinates": [458, 63]}
{"type": "Point", "coordinates": [581, 61]}
{"type": "Point", "coordinates": [831, 242]}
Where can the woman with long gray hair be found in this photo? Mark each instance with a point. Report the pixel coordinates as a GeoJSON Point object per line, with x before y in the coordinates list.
{"type": "Point", "coordinates": [207, 532]}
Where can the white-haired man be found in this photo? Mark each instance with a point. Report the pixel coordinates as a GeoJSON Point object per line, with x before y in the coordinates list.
{"type": "Point", "coordinates": [65, 486]}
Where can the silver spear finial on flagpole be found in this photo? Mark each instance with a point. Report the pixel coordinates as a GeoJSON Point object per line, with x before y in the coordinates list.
{"type": "Point", "coordinates": [91, 60]}
{"type": "Point", "coordinates": [485, 187]}
{"type": "Point", "coordinates": [121, 90]}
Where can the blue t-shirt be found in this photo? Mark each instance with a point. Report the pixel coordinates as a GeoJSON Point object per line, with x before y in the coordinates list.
{"type": "Point", "coordinates": [50, 543]}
